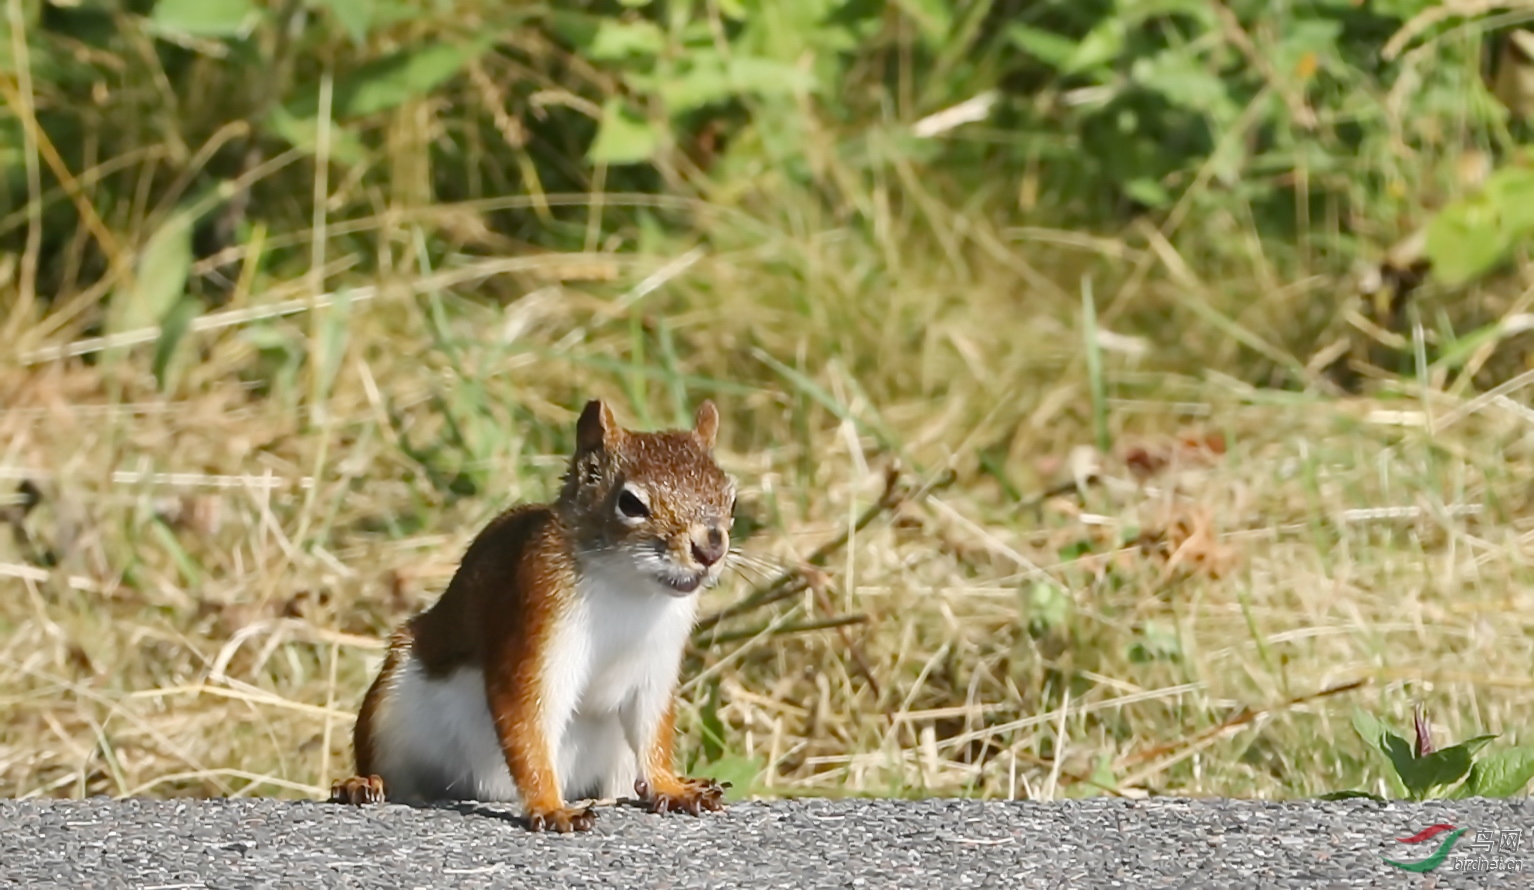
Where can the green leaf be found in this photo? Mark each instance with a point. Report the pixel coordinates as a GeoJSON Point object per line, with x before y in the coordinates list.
{"type": "Point", "coordinates": [303, 133]}
{"type": "Point", "coordinates": [712, 734]}
{"type": "Point", "coordinates": [1512, 189]}
{"type": "Point", "coordinates": [1423, 775]}
{"type": "Point", "coordinates": [356, 16]}
{"type": "Point", "coordinates": [1501, 773]}
{"type": "Point", "coordinates": [1368, 728]}
{"type": "Point", "coordinates": [1466, 239]}
{"type": "Point", "coordinates": [616, 40]}
{"type": "Point", "coordinates": [173, 328]}
{"type": "Point", "coordinates": [1046, 46]}
{"type": "Point", "coordinates": [1178, 78]}
{"type": "Point", "coordinates": [1472, 235]}
{"type": "Point", "coordinates": [740, 772]}
{"type": "Point", "coordinates": [1100, 46]}
{"type": "Point", "coordinates": [1148, 192]}
{"type": "Point", "coordinates": [159, 278]}
{"type": "Point", "coordinates": [1157, 643]}
{"type": "Point", "coordinates": [1395, 748]}
{"type": "Point", "coordinates": [392, 80]}
{"type": "Point", "coordinates": [703, 83]}
{"type": "Point", "coordinates": [622, 137]}
{"type": "Point", "coordinates": [205, 18]}
{"type": "Point", "coordinates": [766, 77]}
{"type": "Point", "coordinates": [1048, 608]}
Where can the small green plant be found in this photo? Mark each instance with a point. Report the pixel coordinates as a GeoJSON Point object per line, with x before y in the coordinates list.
{"type": "Point", "coordinates": [1424, 772]}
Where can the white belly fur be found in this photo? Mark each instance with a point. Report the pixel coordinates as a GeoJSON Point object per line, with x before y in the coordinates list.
{"type": "Point", "coordinates": [612, 667]}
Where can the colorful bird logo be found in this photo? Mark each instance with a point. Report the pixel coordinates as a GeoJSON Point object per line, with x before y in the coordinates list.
{"type": "Point", "coordinates": [1439, 855]}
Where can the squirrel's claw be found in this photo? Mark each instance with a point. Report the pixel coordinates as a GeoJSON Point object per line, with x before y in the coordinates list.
{"type": "Point", "coordinates": [357, 790]}
{"type": "Point", "coordinates": [691, 796]}
{"type": "Point", "coordinates": [563, 819]}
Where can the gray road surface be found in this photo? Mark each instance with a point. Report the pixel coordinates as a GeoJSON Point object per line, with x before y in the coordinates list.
{"type": "Point", "coordinates": [801, 844]}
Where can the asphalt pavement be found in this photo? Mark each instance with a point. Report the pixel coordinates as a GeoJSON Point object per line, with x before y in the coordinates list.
{"type": "Point", "coordinates": [164, 844]}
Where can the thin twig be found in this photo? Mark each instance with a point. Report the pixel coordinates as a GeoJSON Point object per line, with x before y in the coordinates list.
{"type": "Point", "coordinates": [1241, 718]}
{"type": "Point", "coordinates": [796, 580]}
{"type": "Point", "coordinates": [854, 651]}
{"type": "Point", "coordinates": [840, 621]}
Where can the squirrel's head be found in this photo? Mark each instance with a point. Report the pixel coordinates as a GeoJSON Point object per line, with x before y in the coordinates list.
{"type": "Point", "coordinates": [656, 498]}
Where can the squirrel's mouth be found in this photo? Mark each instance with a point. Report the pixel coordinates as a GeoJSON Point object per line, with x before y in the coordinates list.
{"type": "Point", "coordinates": [683, 584]}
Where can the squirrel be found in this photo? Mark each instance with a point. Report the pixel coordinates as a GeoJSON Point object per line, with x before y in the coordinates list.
{"type": "Point", "coordinates": [547, 671]}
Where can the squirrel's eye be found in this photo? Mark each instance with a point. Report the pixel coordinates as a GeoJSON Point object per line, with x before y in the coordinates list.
{"type": "Point", "coordinates": [631, 506]}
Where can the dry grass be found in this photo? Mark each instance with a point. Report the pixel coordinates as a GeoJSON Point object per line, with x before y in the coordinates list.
{"type": "Point", "coordinates": [226, 558]}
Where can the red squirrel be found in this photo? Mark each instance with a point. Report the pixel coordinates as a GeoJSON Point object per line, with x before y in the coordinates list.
{"type": "Point", "coordinates": [548, 669]}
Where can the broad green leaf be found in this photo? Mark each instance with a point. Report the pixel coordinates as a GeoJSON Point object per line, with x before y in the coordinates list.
{"type": "Point", "coordinates": [392, 80]}
{"type": "Point", "coordinates": [622, 137]}
{"type": "Point", "coordinates": [704, 83]}
{"type": "Point", "coordinates": [1148, 192]}
{"type": "Point", "coordinates": [1046, 46]}
{"type": "Point", "coordinates": [173, 328]}
{"type": "Point", "coordinates": [356, 16]}
{"type": "Point", "coordinates": [1444, 767]}
{"type": "Point", "coordinates": [766, 77]}
{"type": "Point", "coordinates": [617, 40]}
{"type": "Point", "coordinates": [1403, 759]}
{"type": "Point", "coordinates": [1395, 748]}
{"type": "Point", "coordinates": [1368, 728]}
{"type": "Point", "coordinates": [1102, 772]}
{"type": "Point", "coordinates": [1501, 773]}
{"type": "Point", "coordinates": [1471, 236]}
{"type": "Point", "coordinates": [345, 148]}
{"type": "Point", "coordinates": [1178, 77]}
{"type": "Point", "coordinates": [1141, 10]}
{"type": "Point", "coordinates": [159, 278]}
{"type": "Point", "coordinates": [1466, 239]}
{"type": "Point", "coordinates": [1102, 45]}
{"type": "Point", "coordinates": [205, 18]}
{"type": "Point", "coordinates": [739, 771]}
{"type": "Point", "coordinates": [1512, 189]}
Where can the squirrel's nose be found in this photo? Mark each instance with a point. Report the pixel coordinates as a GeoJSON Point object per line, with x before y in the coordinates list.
{"type": "Point", "coordinates": [711, 549]}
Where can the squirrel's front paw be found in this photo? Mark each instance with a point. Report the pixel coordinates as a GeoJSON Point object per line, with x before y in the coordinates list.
{"type": "Point", "coordinates": [683, 794]}
{"type": "Point", "coordinates": [357, 790]}
{"type": "Point", "coordinates": [562, 819]}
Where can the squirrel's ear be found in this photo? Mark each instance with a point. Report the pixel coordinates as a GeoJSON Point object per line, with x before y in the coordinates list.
{"type": "Point", "coordinates": [706, 423]}
{"type": "Point", "coordinates": [596, 428]}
